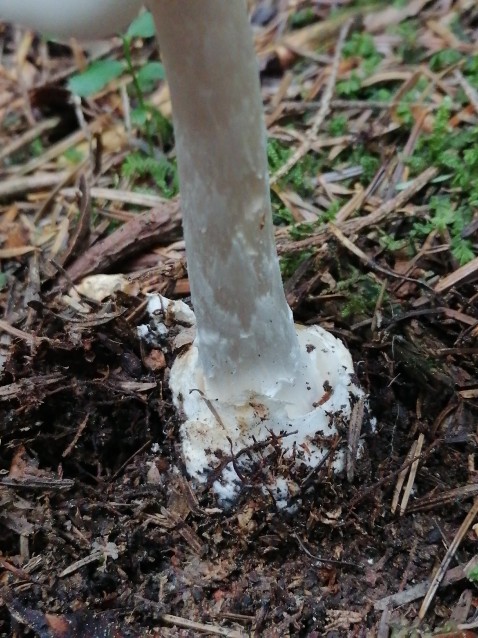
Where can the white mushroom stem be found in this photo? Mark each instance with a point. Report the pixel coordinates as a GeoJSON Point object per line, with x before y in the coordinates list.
{"type": "Point", "coordinates": [87, 19]}
{"type": "Point", "coordinates": [245, 333]}
{"type": "Point", "coordinates": [250, 374]}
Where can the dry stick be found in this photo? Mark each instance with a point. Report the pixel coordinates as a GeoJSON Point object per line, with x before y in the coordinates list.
{"type": "Point", "coordinates": [466, 273]}
{"type": "Point", "coordinates": [124, 197]}
{"type": "Point", "coordinates": [76, 438]}
{"type": "Point", "coordinates": [305, 147]}
{"type": "Point", "coordinates": [376, 318]}
{"type": "Point", "coordinates": [61, 147]}
{"type": "Point", "coordinates": [143, 231]}
{"type": "Point", "coordinates": [15, 186]}
{"type": "Point", "coordinates": [447, 558]}
{"type": "Point", "coordinates": [439, 499]}
{"type": "Point", "coordinates": [413, 473]}
{"type": "Point", "coordinates": [214, 630]}
{"type": "Point", "coordinates": [71, 174]}
{"type": "Point", "coordinates": [320, 559]}
{"type": "Point", "coordinates": [391, 205]}
{"type": "Point", "coordinates": [16, 332]}
{"type": "Point", "coordinates": [418, 591]}
{"type": "Point", "coordinates": [402, 476]}
{"type": "Point", "coordinates": [383, 630]}
{"type": "Point", "coordinates": [359, 223]}
{"type": "Point", "coordinates": [469, 91]}
{"type": "Point", "coordinates": [370, 263]}
{"type": "Point", "coordinates": [291, 107]}
{"type": "Point", "coordinates": [355, 427]}
{"type": "Point", "coordinates": [387, 479]}
{"type": "Point", "coordinates": [28, 136]}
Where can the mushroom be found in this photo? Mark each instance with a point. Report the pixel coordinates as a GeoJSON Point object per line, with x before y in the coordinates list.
{"type": "Point", "coordinates": [250, 375]}
{"type": "Point", "coordinates": [88, 19]}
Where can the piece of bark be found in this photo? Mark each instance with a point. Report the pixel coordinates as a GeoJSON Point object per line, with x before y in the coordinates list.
{"type": "Point", "coordinates": [148, 229]}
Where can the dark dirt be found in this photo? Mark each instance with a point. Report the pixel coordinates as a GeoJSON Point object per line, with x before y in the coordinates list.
{"type": "Point", "coordinates": [80, 479]}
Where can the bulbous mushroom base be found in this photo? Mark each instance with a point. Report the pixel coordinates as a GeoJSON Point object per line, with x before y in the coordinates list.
{"type": "Point", "coordinates": [233, 446]}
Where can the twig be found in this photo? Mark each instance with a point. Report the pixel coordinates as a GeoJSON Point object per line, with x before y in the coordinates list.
{"type": "Point", "coordinates": [387, 479]}
{"type": "Point", "coordinates": [76, 438]}
{"type": "Point", "coordinates": [413, 473]}
{"type": "Point", "coordinates": [146, 230]}
{"type": "Point", "coordinates": [214, 630]}
{"type": "Point", "coordinates": [383, 630]}
{"type": "Point", "coordinates": [30, 134]}
{"type": "Point", "coordinates": [359, 223]}
{"type": "Point", "coordinates": [16, 332]}
{"type": "Point", "coordinates": [402, 476]}
{"type": "Point", "coordinates": [465, 274]}
{"type": "Point", "coordinates": [437, 579]}
{"type": "Point", "coordinates": [367, 261]}
{"type": "Point", "coordinates": [392, 205]}
{"type": "Point", "coordinates": [61, 147]}
{"type": "Point", "coordinates": [355, 427]}
{"type": "Point", "coordinates": [320, 559]}
{"type": "Point", "coordinates": [441, 498]}
{"type": "Point", "coordinates": [125, 197]}
{"type": "Point", "coordinates": [418, 591]}
{"type": "Point", "coordinates": [14, 186]}
{"type": "Point", "coordinates": [306, 145]}
{"type": "Point", "coordinates": [468, 90]}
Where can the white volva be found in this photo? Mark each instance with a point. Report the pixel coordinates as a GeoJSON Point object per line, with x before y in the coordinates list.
{"type": "Point", "coordinates": [250, 374]}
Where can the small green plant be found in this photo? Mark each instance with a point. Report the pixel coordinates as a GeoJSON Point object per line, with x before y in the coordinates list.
{"type": "Point", "coordinates": [470, 69]}
{"type": "Point", "coordinates": [163, 172]}
{"type": "Point", "coordinates": [299, 176]}
{"type": "Point", "coordinates": [444, 58]}
{"type": "Point", "coordinates": [144, 80]}
{"type": "Point", "coordinates": [361, 292]}
{"type": "Point", "coordinates": [444, 216]}
{"type": "Point", "coordinates": [101, 72]}
{"type": "Point", "coordinates": [302, 18]}
{"type": "Point", "coordinates": [362, 45]}
{"type": "Point", "coordinates": [473, 575]}
{"type": "Point", "coordinates": [143, 115]}
{"type": "Point", "coordinates": [290, 263]}
{"type": "Point", "coordinates": [36, 147]}
{"type": "Point", "coordinates": [391, 244]}
{"type": "Point", "coordinates": [349, 87]}
{"type": "Point", "coordinates": [455, 153]}
{"type": "Point", "coordinates": [96, 77]}
{"type": "Point", "coordinates": [338, 125]}
{"type": "Point", "coordinates": [471, 570]}
{"type": "Point", "coordinates": [408, 50]}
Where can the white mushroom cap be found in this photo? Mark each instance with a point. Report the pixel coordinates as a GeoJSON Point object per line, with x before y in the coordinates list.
{"type": "Point", "coordinates": [86, 19]}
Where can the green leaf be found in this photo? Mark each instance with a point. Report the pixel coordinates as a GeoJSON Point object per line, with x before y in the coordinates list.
{"type": "Point", "coordinates": [149, 75]}
{"type": "Point", "coordinates": [473, 574]}
{"type": "Point", "coordinates": [96, 77]}
{"type": "Point", "coordinates": [142, 26]}
{"type": "Point", "coordinates": [139, 116]}
{"type": "Point", "coordinates": [444, 58]}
